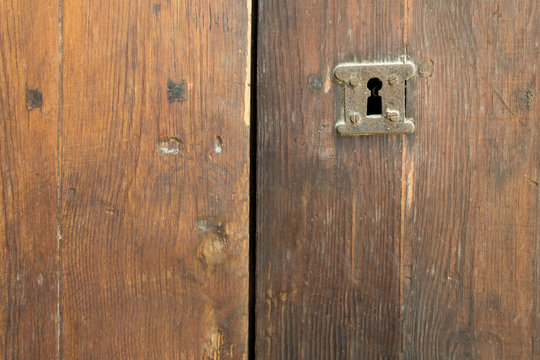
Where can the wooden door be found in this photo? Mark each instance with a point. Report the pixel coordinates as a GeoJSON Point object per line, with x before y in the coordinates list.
{"type": "Point", "coordinates": [421, 246]}
{"type": "Point", "coordinates": [155, 205]}
{"type": "Point", "coordinates": [124, 179]}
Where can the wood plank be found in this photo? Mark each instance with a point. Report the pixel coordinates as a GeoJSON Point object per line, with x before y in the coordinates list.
{"type": "Point", "coordinates": [328, 207]}
{"type": "Point", "coordinates": [155, 169]}
{"type": "Point", "coordinates": [471, 226]}
{"type": "Point", "coordinates": [28, 177]}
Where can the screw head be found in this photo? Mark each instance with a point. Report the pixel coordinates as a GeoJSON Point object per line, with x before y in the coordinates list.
{"type": "Point", "coordinates": [393, 116]}
{"type": "Point", "coordinates": [354, 81]}
{"type": "Point", "coordinates": [393, 79]}
{"type": "Point", "coordinates": [355, 118]}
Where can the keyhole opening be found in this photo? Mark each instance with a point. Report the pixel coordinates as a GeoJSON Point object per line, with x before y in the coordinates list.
{"type": "Point", "coordinates": [374, 102]}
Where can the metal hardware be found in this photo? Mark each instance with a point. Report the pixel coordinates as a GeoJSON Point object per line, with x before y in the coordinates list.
{"type": "Point", "coordinates": [353, 78]}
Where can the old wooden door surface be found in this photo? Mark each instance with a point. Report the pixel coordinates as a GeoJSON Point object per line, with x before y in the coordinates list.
{"type": "Point", "coordinates": [417, 247]}
{"type": "Point", "coordinates": [155, 205]}
{"type": "Point", "coordinates": [124, 176]}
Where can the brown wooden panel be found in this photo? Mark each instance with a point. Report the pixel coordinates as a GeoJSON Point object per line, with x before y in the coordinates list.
{"type": "Point", "coordinates": [155, 167]}
{"type": "Point", "coordinates": [28, 177]}
{"type": "Point", "coordinates": [471, 197]}
{"type": "Point", "coordinates": [328, 206]}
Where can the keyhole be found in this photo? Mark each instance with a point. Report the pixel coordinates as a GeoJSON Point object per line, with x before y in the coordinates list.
{"type": "Point", "coordinates": [374, 102]}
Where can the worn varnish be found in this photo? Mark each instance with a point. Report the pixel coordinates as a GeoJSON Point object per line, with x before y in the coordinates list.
{"type": "Point", "coordinates": [444, 222]}
{"type": "Point", "coordinates": [124, 176]}
{"type": "Point", "coordinates": [124, 227]}
{"type": "Point", "coordinates": [28, 179]}
{"type": "Point", "coordinates": [471, 172]}
{"type": "Point", "coordinates": [154, 237]}
{"type": "Point", "coordinates": [328, 207]}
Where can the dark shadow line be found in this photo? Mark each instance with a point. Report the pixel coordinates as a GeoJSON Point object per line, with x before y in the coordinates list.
{"type": "Point", "coordinates": [253, 185]}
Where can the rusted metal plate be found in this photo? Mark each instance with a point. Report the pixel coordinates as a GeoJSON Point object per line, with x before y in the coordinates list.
{"type": "Point", "coordinates": [373, 99]}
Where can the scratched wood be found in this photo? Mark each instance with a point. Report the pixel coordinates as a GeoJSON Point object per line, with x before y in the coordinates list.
{"type": "Point", "coordinates": [155, 177]}
{"type": "Point", "coordinates": [466, 217]}
{"type": "Point", "coordinates": [124, 175]}
{"type": "Point", "coordinates": [471, 174]}
{"type": "Point", "coordinates": [328, 207]}
{"type": "Point", "coordinates": [28, 178]}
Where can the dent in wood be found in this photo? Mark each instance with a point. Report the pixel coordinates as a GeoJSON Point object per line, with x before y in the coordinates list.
{"type": "Point", "coordinates": [170, 145]}
{"type": "Point", "coordinates": [425, 68]}
{"type": "Point", "coordinates": [215, 240]}
{"type": "Point", "coordinates": [218, 145]}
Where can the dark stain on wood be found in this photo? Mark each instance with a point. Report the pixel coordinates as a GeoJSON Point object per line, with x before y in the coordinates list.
{"type": "Point", "coordinates": [157, 9]}
{"type": "Point", "coordinates": [34, 99]}
{"type": "Point", "coordinates": [315, 82]}
{"type": "Point", "coordinates": [176, 92]}
{"type": "Point", "coordinates": [525, 98]}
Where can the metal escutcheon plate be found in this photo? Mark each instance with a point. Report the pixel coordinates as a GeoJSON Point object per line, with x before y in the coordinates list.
{"type": "Point", "coordinates": [354, 118]}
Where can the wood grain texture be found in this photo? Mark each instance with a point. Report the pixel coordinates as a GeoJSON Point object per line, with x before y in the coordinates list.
{"type": "Point", "coordinates": [471, 173]}
{"type": "Point", "coordinates": [466, 217]}
{"type": "Point", "coordinates": [328, 207]}
{"type": "Point", "coordinates": [155, 170]}
{"type": "Point", "coordinates": [124, 176]}
{"type": "Point", "coordinates": [28, 178]}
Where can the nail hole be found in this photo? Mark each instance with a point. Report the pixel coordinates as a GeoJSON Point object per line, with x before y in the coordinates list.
{"type": "Point", "coordinates": [176, 92]}
{"type": "Point", "coordinates": [218, 145]}
{"type": "Point", "coordinates": [34, 99]}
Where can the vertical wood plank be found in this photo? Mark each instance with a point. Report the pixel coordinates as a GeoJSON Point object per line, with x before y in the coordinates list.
{"type": "Point", "coordinates": [328, 206]}
{"type": "Point", "coordinates": [155, 167]}
{"type": "Point", "coordinates": [28, 177]}
{"type": "Point", "coordinates": [472, 172]}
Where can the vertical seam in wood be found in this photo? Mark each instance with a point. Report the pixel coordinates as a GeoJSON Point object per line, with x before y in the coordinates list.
{"type": "Point", "coordinates": [402, 215]}
{"type": "Point", "coordinates": [402, 235]}
{"type": "Point", "coordinates": [59, 176]}
{"type": "Point", "coordinates": [252, 293]}
{"type": "Point", "coordinates": [247, 95]}
{"type": "Point", "coordinates": [405, 19]}
{"type": "Point", "coordinates": [535, 281]}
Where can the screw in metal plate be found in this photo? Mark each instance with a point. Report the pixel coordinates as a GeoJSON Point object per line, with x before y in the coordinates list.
{"type": "Point", "coordinates": [391, 114]}
{"type": "Point", "coordinates": [354, 81]}
{"type": "Point", "coordinates": [393, 117]}
{"type": "Point", "coordinates": [393, 79]}
{"type": "Point", "coordinates": [355, 118]}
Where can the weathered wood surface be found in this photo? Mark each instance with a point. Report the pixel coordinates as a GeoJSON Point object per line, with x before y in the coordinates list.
{"type": "Point", "coordinates": [28, 179]}
{"type": "Point", "coordinates": [150, 259]}
{"type": "Point", "coordinates": [459, 198]}
{"type": "Point", "coordinates": [471, 174]}
{"type": "Point", "coordinates": [328, 207]}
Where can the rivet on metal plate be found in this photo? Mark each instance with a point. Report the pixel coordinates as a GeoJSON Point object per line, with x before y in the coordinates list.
{"type": "Point", "coordinates": [374, 98]}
